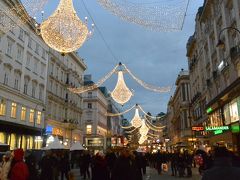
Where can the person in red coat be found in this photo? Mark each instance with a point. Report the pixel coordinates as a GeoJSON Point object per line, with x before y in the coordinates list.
{"type": "Point", "coordinates": [19, 170]}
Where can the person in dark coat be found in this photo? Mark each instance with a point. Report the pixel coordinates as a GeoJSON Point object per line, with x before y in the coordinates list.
{"type": "Point", "coordinates": [19, 169]}
{"type": "Point", "coordinates": [159, 161]}
{"type": "Point", "coordinates": [144, 163]}
{"type": "Point", "coordinates": [64, 166]}
{"type": "Point", "coordinates": [86, 159]}
{"type": "Point", "coordinates": [124, 168]}
{"type": "Point", "coordinates": [174, 160]}
{"type": "Point", "coordinates": [138, 162]}
{"type": "Point", "coordinates": [31, 162]}
{"type": "Point", "coordinates": [46, 165]}
{"type": "Point", "coordinates": [222, 167]}
{"type": "Point", "coordinates": [99, 168]}
{"type": "Point", "coordinates": [188, 163]}
{"type": "Point", "coordinates": [111, 159]}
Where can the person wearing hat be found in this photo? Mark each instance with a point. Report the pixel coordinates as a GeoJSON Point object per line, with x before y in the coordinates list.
{"type": "Point", "coordinates": [7, 159]}
{"type": "Point", "coordinates": [19, 169]}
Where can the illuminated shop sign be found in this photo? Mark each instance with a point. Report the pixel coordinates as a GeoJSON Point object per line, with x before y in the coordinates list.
{"type": "Point", "coordinates": [235, 128]}
{"type": "Point", "coordinates": [217, 128]}
{"type": "Point", "coordinates": [218, 132]}
{"type": "Point", "coordinates": [209, 110]}
{"type": "Point", "coordinates": [197, 128]}
{"type": "Point", "coordinates": [49, 129]}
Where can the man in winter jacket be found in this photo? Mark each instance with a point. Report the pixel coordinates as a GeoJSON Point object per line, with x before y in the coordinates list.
{"type": "Point", "coordinates": [6, 166]}
{"type": "Point", "coordinates": [19, 170]}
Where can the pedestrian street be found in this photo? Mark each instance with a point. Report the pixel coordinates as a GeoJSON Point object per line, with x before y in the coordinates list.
{"type": "Point", "coordinates": [151, 175]}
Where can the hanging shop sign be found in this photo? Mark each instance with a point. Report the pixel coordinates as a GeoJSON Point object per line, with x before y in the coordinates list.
{"type": "Point", "coordinates": [209, 110]}
{"type": "Point", "coordinates": [49, 129]}
{"type": "Point", "coordinates": [235, 128]}
{"type": "Point", "coordinates": [197, 128]}
{"type": "Point", "coordinates": [216, 128]}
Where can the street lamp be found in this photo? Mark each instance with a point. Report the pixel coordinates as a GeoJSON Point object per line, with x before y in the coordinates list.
{"type": "Point", "coordinates": [220, 43]}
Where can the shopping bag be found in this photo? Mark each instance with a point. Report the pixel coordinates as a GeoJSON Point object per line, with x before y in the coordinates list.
{"type": "Point", "coordinates": [165, 167]}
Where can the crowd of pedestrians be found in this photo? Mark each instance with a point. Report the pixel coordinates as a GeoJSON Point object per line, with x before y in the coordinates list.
{"type": "Point", "coordinates": [124, 165]}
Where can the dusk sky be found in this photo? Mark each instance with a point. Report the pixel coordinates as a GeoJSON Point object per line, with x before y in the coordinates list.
{"type": "Point", "coordinates": [154, 57]}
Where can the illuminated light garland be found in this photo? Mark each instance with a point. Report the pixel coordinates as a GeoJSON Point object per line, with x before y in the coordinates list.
{"type": "Point", "coordinates": [121, 93]}
{"type": "Point", "coordinates": [119, 114]}
{"type": "Point", "coordinates": [154, 129]}
{"type": "Point", "coordinates": [126, 127]}
{"type": "Point", "coordinates": [148, 86]}
{"type": "Point", "coordinates": [63, 30]}
{"type": "Point", "coordinates": [136, 121]}
{"type": "Point", "coordinates": [94, 86]}
{"type": "Point", "coordinates": [144, 129]}
{"type": "Point", "coordinates": [153, 135]}
{"type": "Point", "coordinates": [157, 16]}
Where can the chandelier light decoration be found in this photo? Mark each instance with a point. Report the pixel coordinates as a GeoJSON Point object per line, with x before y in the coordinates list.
{"type": "Point", "coordinates": [158, 16]}
{"type": "Point", "coordinates": [136, 121]}
{"type": "Point", "coordinates": [121, 94]}
{"type": "Point", "coordinates": [63, 30]}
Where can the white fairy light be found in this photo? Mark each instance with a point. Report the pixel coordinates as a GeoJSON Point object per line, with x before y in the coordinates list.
{"type": "Point", "coordinates": [136, 121]}
{"type": "Point", "coordinates": [144, 129]}
{"type": "Point", "coordinates": [121, 93]}
{"type": "Point", "coordinates": [63, 30]}
{"type": "Point", "coordinates": [121, 113]}
{"type": "Point", "coordinates": [157, 16]}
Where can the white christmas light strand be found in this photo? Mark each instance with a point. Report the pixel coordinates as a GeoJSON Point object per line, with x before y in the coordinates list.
{"type": "Point", "coordinates": [34, 6]}
{"type": "Point", "coordinates": [159, 16]}
{"type": "Point", "coordinates": [119, 114]}
{"type": "Point", "coordinates": [94, 86]}
{"type": "Point", "coordinates": [148, 86]}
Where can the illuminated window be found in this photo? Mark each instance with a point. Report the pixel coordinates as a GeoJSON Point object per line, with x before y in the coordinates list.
{"type": "Point", "coordinates": [23, 113]}
{"type": "Point", "coordinates": [89, 129]}
{"type": "Point", "coordinates": [3, 108]}
{"type": "Point", "coordinates": [14, 110]}
{"type": "Point", "coordinates": [39, 117]}
{"type": "Point", "coordinates": [31, 116]}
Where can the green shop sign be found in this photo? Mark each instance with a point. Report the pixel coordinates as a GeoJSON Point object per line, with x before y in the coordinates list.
{"type": "Point", "coordinates": [217, 128]}
{"type": "Point", "coordinates": [218, 132]}
{"type": "Point", "coordinates": [209, 110]}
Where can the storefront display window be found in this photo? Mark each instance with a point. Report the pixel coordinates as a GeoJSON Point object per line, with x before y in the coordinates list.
{"type": "Point", "coordinates": [31, 116]}
{"type": "Point", "coordinates": [2, 138]}
{"type": "Point", "coordinates": [3, 107]}
{"type": "Point", "coordinates": [231, 111]}
{"type": "Point", "coordinates": [14, 110]}
{"type": "Point", "coordinates": [215, 119]}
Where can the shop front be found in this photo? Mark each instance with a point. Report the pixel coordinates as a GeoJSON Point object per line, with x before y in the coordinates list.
{"type": "Point", "coordinates": [20, 136]}
{"type": "Point", "coordinates": [67, 136]}
{"type": "Point", "coordinates": [95, 144]}
{"type": "Point", "coordinates": [223, 125]}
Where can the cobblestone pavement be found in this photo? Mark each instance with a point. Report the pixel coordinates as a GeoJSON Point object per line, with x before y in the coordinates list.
{"type": "Point", "coordinates": [152, 175]}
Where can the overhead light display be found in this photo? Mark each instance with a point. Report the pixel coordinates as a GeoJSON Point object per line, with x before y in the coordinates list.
{"type": "Point", "coordinates": [136, 121]}
{"type": "Point", "coordinates": [63, 30]}
{"type": "Point", "coordinates": [121, 93]}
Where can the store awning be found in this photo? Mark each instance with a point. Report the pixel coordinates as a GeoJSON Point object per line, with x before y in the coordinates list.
{"type": "Point", "coordinates": [10, 127]}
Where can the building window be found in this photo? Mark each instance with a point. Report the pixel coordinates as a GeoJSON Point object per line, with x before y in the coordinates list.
{"type": "Point", "coordinates": [43, 54]}
{"type": "Point", "coordinates": [89, 129]}
{"type": "Point", "coordinates": [3, 108]}
{"type": "Point", "coordinates": [28, 62]}
{"type": "Point", "coordinates": [16, 83]}
{"type": "Point", "coordinates": [30, 42]}
{"type": "Point", "coordinates": [42, 69]}
{"type": "Point", "coordinates": [89, 94]}
{"type": "Point", "coordinates": [14, 110]}
{"type": "Point", "coordinates": [34, 87]}
{"type": "Point", "coordinates": [5, 79]}
{"type": "Point", "coordinates": [23, 113]}
{"type": "Point", "coordinates": [37, 48]}
{"type": "Point", "coordinates": [39, 117]}
{"type": "Point", "coordinates": [89, 105]}
{"type": "Point", "coordinates": [26, 81]}
{"type": "Point", "coordinates": [31, 116]}
{"type": "Point", "coordinates": [41, 89]}
{"type": "Point", "coordinates": [35, 68]}
{"type": "Point", "coordinates": [19, 53]}
{"type": "Point", "coordinates": [9, 47]}
{"type": "Point", "coordinates": [21, 34]}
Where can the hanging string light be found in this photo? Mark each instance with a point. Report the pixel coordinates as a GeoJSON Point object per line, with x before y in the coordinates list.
{"type": "Point", "coordinates": [147, 86]}
{"type": "Point", "coordinates": [63, 30]}
{"type": "Point", "coordinates": [157, 16]}
{"type": "Point", "coordinates": [121, 93]}
{"type": "Point", "coordinates": [121, 113]}
{"type": "Point", "coordinates": [83, 89]}
{"type": "Point", "coordinates": [144, 129]}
